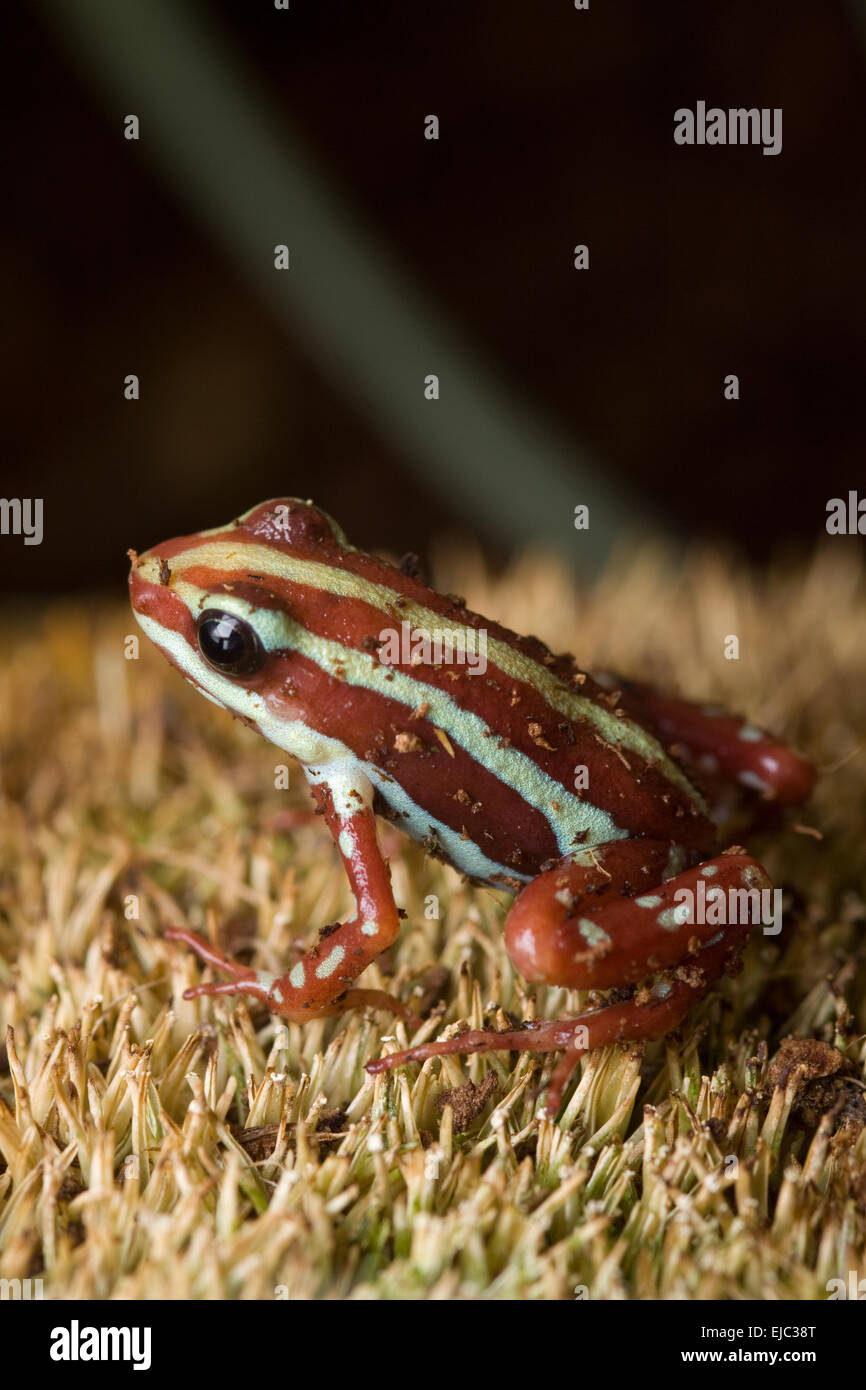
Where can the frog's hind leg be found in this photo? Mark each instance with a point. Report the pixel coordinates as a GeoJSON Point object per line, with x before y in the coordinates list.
{"type": "Point", "coordinates": [651, 1015]}
{"type": "Point", "coordinates": [615, 941]}
{"type": "Point", "coordinates": [717, 744]}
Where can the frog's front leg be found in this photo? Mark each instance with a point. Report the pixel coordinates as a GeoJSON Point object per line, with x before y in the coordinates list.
{"type": "Point", "coordinates": [572, 926]}
{"type": "Point", "coordinates": [317, 986]}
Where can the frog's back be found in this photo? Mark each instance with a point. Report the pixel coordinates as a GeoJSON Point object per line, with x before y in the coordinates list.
{"type": "Point", "coordinates": [498, 755]}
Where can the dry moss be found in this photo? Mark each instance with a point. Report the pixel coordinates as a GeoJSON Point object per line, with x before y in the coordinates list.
{"type": "Point", "coordinates": [157, 1148]}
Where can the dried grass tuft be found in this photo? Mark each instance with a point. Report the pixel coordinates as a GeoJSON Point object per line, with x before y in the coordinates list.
{"type": "Point", "coordinates": [155, 1148]}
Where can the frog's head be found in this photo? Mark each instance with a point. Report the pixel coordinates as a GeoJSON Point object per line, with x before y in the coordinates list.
{"type": "Point", "coordinates": [230, 608]}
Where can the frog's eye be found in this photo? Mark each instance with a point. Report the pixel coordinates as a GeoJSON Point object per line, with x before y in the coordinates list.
{"type": "Point", "coordinates": [229, 644]}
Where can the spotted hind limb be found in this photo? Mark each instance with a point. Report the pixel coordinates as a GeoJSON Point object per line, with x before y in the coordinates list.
{"type": "Point", "coordinates": [718, 744]}
{"type": "Point", "coordinates": [317, 985]}
{"type": "Point", "coordinates": [692, 934]}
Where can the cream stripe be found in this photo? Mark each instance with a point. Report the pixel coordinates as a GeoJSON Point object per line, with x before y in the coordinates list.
{"type": "Point", "coordinates": [572, 820]}
{"type": "Point", "coordinates": [261, 559]}
{"type": "Point", "coordinates": [326, 759]}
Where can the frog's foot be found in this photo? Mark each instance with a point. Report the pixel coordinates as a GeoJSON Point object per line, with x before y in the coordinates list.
{"type": "Point", "coordinates": [649, 1015]}
{"type": "Point", "coordinates": [321, 983]}
{"type": "Point", "coordinates": [267, 988]}
{"type": "Point", "coordinates": [555, 939]}
{"type": "Point", "coordinates": [716, 744]}
{"type": "Point", "coordinates": [244, 980]}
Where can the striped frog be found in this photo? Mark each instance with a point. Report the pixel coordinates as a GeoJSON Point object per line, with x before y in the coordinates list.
{"type": "Point", "coordinates": [509, 763]}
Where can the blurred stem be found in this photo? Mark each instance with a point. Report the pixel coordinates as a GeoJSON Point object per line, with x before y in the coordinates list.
{"type": "Point", "coordinates": [243, 175]}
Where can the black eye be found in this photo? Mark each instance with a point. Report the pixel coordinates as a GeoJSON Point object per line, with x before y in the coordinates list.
{"type": "Point", "coordinates": [229, 644]}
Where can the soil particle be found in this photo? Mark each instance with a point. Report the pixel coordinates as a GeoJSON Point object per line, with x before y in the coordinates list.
{"type": "Point", "coordinates": [829, 1081]}
{"type": "Point", "coordinates": [468, 1101]}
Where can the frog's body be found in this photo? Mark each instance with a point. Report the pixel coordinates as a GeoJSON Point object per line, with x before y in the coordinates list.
{"type": "Point", "coordinates": [521, 770]}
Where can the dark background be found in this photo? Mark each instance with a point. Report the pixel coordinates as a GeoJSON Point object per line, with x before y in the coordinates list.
{"type": "Point", "coordinates": [556, 129]}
